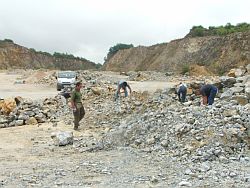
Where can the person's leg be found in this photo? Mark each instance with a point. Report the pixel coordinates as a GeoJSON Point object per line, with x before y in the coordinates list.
{"type": "Point", "coordinates": [82, 113]}
{"type": "Point", "coordinates": [76, 118]}
{"type": "Point", "coordinates": [126, 92]}
{"type": "Point", "coordinates": [184, 93]}
{"type": "Point", "coordinates": [179, 96]}
{"type": "Point", "coordinates": [116, 95]}
{"type": "Point", "coordinates": [212, 95]}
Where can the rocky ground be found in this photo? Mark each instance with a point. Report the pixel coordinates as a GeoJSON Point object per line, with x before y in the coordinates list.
{"type": "Point", "coordinates": [146, 140]}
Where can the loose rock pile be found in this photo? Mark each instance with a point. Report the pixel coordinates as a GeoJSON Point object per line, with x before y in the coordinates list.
{"type": "Point", "coordinates": [34, 112]}
{"type": "Point", "coordinates": [211, 142]}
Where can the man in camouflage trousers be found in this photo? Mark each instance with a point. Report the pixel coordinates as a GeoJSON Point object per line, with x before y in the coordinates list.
{"type": "Point", "coordinates": [76, 104]}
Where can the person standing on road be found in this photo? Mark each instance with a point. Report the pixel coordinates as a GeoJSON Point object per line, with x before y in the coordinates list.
{"type": "Point", "coordinates": [208, 93]}
{"type": "Point", "coordinates": [122, 85]}
{"type": "Point", "coordinates": [77, 106]}
{"type": "Point", "coordinates": [182, 92]}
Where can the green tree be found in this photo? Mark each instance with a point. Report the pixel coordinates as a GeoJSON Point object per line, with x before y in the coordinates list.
{"type": "Point", "coordinates": [198, 31]}
{"type": "Point", "coordinates": [116, 48]}
{"type": "Point", "coordinates": [8, 40]}
{"type": "Point", "coordinates": [63, 55]}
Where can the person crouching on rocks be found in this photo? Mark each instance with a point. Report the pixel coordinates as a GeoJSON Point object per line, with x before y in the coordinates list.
{"type": "Point", "coordinates": [182, 92]}
{"type": "Point", "coordinates": [122, 85]}
{"type": "Point", "coordinates": [77, 106]}
{"type": "Point", "coordinates": [208, 92]}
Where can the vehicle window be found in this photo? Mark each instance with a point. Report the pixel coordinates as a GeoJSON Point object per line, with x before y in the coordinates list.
{"type": "Point", "coordinates": [66, 75]}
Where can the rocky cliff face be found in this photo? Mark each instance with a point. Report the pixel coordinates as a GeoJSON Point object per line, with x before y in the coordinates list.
{"type": "Point", "coordinates": [15, 56]}
{"type": "Point", "coordinates": [218, 54]}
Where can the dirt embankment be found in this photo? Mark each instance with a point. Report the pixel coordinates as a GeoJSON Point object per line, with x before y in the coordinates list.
{"type": "Point", "coordinates": [215, 53]}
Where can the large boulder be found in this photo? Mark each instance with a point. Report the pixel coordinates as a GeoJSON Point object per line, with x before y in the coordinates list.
{"type": "Point", "coordinates": [248, 68]}
{"type": "Point", "coordinates": [227, 81]}
{"type": "Point", "coordinates": [96, 90]}
{"type": "Point", "coordinates": [247, 92]}
{"type": "Point", "coordinates": [241, 99]}
{"type": "Point", "coordinates": [247, 87]}
{"type": "Point", "coordinates": [8, 105]}
{"type": "Point", "coordinates": [227, 94]}
{"type": "Point", "coordinates": [62, 138]}
{"type": "Point", "coordinates": [237, 89]}
{"type": "Point", "coordinates": [31, 121]}
{"type": "Point", "coordinates": [236, 72]}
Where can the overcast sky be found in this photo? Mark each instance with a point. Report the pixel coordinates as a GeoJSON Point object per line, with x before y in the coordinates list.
{"type": "Point", "coordinates": [88, 28]}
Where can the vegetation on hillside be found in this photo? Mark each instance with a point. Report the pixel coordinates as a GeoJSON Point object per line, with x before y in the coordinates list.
{"type": "Point", "coordinates": [116, 48]}
{"type": "Point", "coordinates": [61, 55]}
{"type": "Point", "coordinates": [200, 31]}
{"type": "Point", "coordinates": [8, 40]}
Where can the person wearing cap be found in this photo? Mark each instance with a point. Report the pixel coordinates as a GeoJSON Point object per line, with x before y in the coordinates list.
{"type": "Point", "coordinates": [182, 92]}
{"type": "Point", "coordinates": [76, 104]}
{"type": "Point", "coordinates": [122, 85]}
{"type": "Point", "coordinates": [208, 92]}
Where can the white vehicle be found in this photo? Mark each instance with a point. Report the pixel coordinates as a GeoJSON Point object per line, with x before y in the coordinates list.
{"type": "Point", "coordinates": [66, 79]}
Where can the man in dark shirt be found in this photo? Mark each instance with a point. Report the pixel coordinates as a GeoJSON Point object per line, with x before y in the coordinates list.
{"type": "Point", "coordinates": [182, 92]}
{"type": "Point", "coordinates": [208, 93]}
{"type": "Point", "coordinates": [76, 104]}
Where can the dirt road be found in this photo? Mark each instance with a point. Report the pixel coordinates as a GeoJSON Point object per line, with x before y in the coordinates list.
{"type": "Point", "coordinates": [11, 86]}
{"type": "Point", "coordinates": [29, 159]}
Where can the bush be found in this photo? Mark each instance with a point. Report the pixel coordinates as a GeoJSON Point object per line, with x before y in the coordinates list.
{"type": "Point", "coordinates": [185, 69]}
{"type": "Point", "coordinates": [63, 55]}
{"type": "Point", "coordinates": [8, 40]}
{"type": "Point", "coordinates": [98, 66]}
{"type": "Point", "coordinates": [199, 31]}
{"type": "Point", "coordinates": [116, 48]}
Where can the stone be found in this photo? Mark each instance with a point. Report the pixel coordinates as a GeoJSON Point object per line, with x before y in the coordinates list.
{"type": "Point", "coordinates": [185, 183]}
{"type": "Point", "coordinates": [246, 79]}
{"type": "Point", "coordinates": [232, 174]}
{"type": "Point", "coordinates": [8, 105]}
{"type": "Point", "coordinates": [236, 72]}
{"type": "Point", "coordinates": [189, 91]}
{"type": "Point", "coordinates": [188, 172]}
{"type": "Point", "coordinates": [3, 120]}
{"type": "Point", "coordinates": [62, 138]}
{"type": "Point", "coordinates": [231, 73]}
{"type": "Point", "coordinates": [227, 94]}
{"type": "Point", "coordinates": [188, 103]}
{"type": "Point", "coordinates": [247, 92]}
{"type": "Point", "coordinates": [248, 68]}
{"type": "Point", "coordinates": [18, 100]}
{"type": "Point", "coordinates": [150, 141]}
{"type": "Point", "coordinates": [227, 81]}
{"type": "Point", "coordinates": [31, 121]}
{"type": "Point", "coordinates": [96, 90]}
{"type": "Point", "coordinates": [239, 85]}
{"type": "Point", "coordinates": [154, 180]}
{"type": "Point", "coordinates": [237, 89]}
{"type": "Point", "coordinates": [205, 167]}
{"type": "Point", "coordinates": [241, 99]}
{"type": "Point", "coordinates": [40, 118]}
{"type": "Point", "coordinates": [239, 72]}
{"type": "Point", "coordinates": [19, 123]}
{"type": "Point", "coordinates": [229, 113]}
{"type": "Point", "coordinates": [29, 113]}
{"type": "Point", "coordinates": [164, 143]}
{"type": "Point", "coordinates": [23, 117]}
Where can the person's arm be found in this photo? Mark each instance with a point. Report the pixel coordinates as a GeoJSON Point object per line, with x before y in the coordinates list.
{"type": "Point", "coordinates": [130, 90]}
{"type": "Point", "coordinates": [119, 89]}
{"type": "Point", "coordinates": [73, 105]}
{"type": "Point", "coordinates": [204, 100]}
